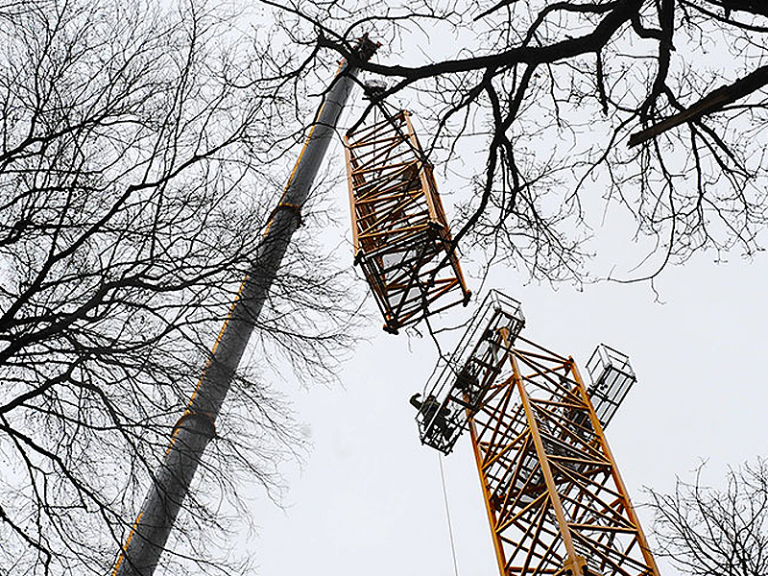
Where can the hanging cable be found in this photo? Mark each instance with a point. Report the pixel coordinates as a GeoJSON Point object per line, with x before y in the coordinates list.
{"type": "Point", "coordinates": [448, 516]}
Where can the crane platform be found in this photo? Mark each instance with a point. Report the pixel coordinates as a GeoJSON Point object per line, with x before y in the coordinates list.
{"type": "Point", "coordinates": [458, 385]}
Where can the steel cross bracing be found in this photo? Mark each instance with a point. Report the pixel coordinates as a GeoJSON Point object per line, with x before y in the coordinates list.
{"type": "Point", "coordinates": [553, 493]}
{"type": "Point", "coordinates": [400, 232]}
{"type": "Point", "coordinates": [458, 385]}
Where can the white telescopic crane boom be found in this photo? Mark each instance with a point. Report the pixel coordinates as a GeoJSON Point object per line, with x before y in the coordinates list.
{"type": "Point", "coordinates": [196, 427]}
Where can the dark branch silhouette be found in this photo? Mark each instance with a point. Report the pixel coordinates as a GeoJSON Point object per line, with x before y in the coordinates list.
{"type": "Point", "coordinates": [715, 531]}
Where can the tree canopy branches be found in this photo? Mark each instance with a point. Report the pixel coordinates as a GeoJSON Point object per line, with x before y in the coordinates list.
{"type": "Point", "coordinates": [559, 89]}
{"type": "Point", "coordinates": [139, 148]}
{"type": "Point", "coordinates": [707, 531]}
{"type": "Point", "coordinates": [142, 146]}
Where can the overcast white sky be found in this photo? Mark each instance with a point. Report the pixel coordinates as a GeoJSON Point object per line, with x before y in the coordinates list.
{"type": "Point", "coordinates": [369, 498]}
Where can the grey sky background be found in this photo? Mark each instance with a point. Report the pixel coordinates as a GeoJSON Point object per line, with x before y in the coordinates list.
{"type": "Point", "coordinates": [369, 498]}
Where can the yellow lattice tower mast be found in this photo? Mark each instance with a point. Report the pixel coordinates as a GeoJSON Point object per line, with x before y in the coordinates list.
{"type": "Point", "coordinates": [553, 493]}
{"type": "Point", "coordinates": [400, 232]}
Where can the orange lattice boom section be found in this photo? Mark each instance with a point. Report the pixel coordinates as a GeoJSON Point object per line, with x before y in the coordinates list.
{"type": "Point", "coordinates": [555, 500]}
{"type": "Point", "coordinates": [400, 232]}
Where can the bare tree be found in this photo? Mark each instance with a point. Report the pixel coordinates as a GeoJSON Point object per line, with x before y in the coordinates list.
{"type": "Point", "coordinates": [706, 531]}
{"type": "Point", "coordinates": [141, 143]}
{"type": "Point", "coordinates": [651, 107]}
{"type": "Point", "coordinates": [143, 146]}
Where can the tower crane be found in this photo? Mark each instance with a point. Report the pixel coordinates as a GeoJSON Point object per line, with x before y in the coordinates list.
{"type": "Point", "coordinates": [554, 497]}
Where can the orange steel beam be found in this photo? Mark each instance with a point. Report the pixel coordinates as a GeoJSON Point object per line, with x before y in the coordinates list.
{"type": "Point", "coordinates": [555, 500]}
{"type": "Point", "coordinates": [400, 232]}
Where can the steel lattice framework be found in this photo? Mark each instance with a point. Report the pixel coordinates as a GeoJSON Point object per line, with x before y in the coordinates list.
{"type": "Point", "coordinates": [554, 496]}
{"type": "Point", "coordinates": [400, 232]}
